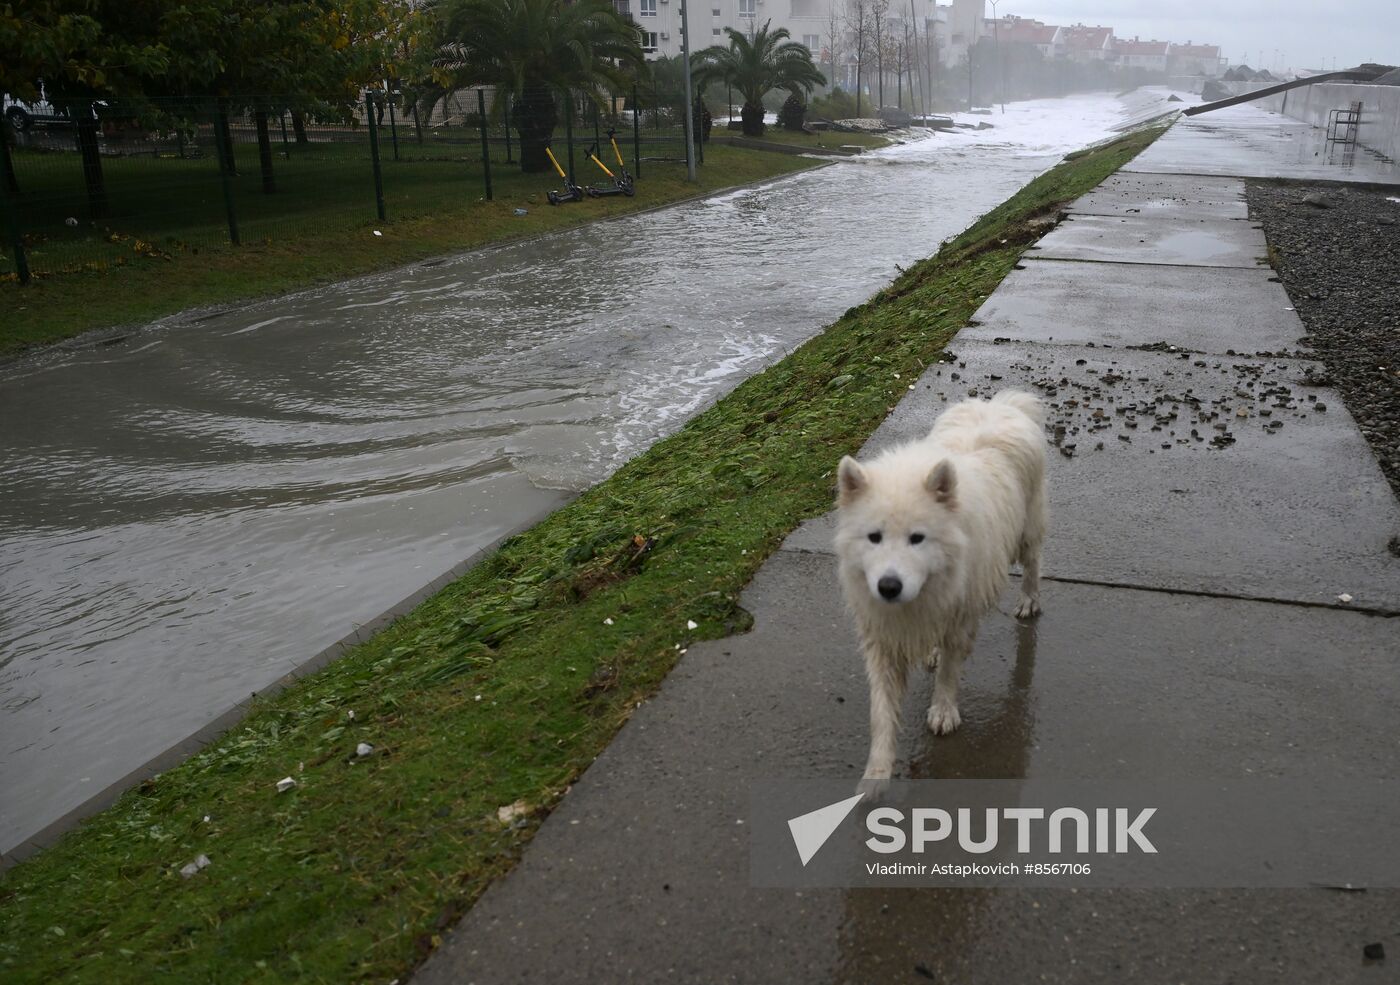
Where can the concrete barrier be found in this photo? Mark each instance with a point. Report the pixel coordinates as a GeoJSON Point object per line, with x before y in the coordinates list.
{"type": "Point", "coordinates": [1380, 110]}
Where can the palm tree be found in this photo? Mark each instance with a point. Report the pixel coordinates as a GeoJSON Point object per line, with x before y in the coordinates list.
{"type": "Point", "coordinates": [755, 66]}
{"type": "Point", "coordinates": [534, 51]}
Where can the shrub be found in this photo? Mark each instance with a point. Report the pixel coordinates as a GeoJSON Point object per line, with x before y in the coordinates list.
{"type": "Point", "coordinates": [791, 115]}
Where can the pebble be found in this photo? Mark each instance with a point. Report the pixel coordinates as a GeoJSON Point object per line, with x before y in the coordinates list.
{"type": "Point", "coordinates": [1339, 267]}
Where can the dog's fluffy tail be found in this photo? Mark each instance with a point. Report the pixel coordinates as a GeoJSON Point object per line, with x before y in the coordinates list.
{"type": "Point", "coordinates": [1027, 403]}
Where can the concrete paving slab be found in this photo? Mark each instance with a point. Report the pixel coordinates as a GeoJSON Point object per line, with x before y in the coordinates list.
{"type": "Point", "coordinates": [641, 874]}
{"type": "Point", "coordinates": [1066, 302]}
{"type": "Point", "coordinates": [1177, 196]}
{"type": "Point", "coordinates": [1156, 240]}
{"type": "Point", "coordinates": [1248, 142]}
{"type": "Point", "coordinates": [1293, 506]}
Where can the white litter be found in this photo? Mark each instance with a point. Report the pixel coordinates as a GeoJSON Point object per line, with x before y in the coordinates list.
{"type": "Point", "coordinates": [285, 784]}
{"type": "Point", "coordinates": [510, 812]}
{"type": "Point", "coordinates": [350, 714]}
{"type": "Point", "coordinates": [521, 212]}
{"type": "Point", "coordinates": [70, 222]}
{"type": "Point", "coordinates": [200, 861]}
{"type": "Point", "coordinates": [691, 624]}
{"type": "Point", "coordinates": [364, 749]}
{"type": "Point", "coordinates": [608, 621]}
{"type": "Point", "coordinates": [1344, 598]}
{"type": "Point", "coordinates": [378, 233]}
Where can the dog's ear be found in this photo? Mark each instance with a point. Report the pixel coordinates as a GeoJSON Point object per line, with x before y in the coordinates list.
{"type": "Point", "coordinates": [850, 480]}
{"type": "Point", "coordinates": [943, 483]}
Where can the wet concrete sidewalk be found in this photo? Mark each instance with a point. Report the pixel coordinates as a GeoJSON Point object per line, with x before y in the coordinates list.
{"type": "Point", "coordinates": [1211, 501]}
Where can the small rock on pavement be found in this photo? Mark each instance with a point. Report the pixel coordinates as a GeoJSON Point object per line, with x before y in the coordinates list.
{"type": "Point", "coordinates": [1374, 952]}
{"type": "Point", "coordinates": [200, 861]}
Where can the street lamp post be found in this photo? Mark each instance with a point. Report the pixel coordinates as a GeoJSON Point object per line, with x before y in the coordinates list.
{"type": "Point", "coordinates": [996, 43]}
{"type": "Point", "coordinates": [689, 99]}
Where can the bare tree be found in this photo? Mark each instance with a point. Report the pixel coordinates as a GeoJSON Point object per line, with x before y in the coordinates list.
{"type": "Point", "coordinates": [858, 28]}
{"type": "Point", "coordinates": [835, 39]}
{"type": "Point", "coordinates": [879, 16]}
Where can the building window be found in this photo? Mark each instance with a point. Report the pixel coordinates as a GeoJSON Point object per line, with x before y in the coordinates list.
{"type": "Point", "coordinates": [714, 11]}
{"type": "Point", "coordinates": [813, 42]}
{"type": "Point", "coordinates": [747, 8]}
{"type": "Point", "coordinates": [714, 31]}
{"type": "Point", "coordinates": [647, 8]}
{"type": "Point", "coordinates": [648, 40]}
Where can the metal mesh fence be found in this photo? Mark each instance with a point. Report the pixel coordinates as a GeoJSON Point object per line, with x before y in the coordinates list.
{"type": "Point", "coordinates": [92, 188]}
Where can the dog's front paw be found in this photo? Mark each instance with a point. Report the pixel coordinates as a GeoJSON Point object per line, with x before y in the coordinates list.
{"type": "Point", "coordinates": [873, 788]}
{"type": "Point", "coordinates": [1028, 609]}
{"type": "Point", "coordinates": [943, 718]}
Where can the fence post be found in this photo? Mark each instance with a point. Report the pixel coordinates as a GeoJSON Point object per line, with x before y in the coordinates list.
{"type": "Point", "coordinates": [636, 134]}
{"type": "Point", "coordinates": [393, 128]}
{"type": "Point", "coordinates": [286, 147]}
{"type": "Point", "coordinates": [10, 205]}
{"type": "Point", "coordinates": [485, 145]}
{"type": "Point", "coordinates": [269, 184]}
{"type": "Point", "coordinates": [569, 128]}
{"type": "Point", "coordinates": [505, 116]}
{"type": "Point", "coordinates": [699, 134]}
{"type": "Point", "coordinates": [222, 142]}
{"type": "Point", "coordinates": [374, 155]}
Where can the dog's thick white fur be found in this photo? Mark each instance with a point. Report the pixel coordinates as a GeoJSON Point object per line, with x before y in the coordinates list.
{"type": "Point", "coordinates": [926, 534]}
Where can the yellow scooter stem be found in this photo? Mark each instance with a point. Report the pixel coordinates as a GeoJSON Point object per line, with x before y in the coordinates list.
{"type": "Point", "coordinates": [594, 158]}
{"type": "Point", "coordinates": [555, 162]}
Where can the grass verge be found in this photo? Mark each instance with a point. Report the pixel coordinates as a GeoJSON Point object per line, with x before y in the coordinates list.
{"type": "Point", "coordinates": [500, 690]}
{"type": "Point", "coordinates": [828, 138]}
{"type": "Point", "coordinates": [321, 246]}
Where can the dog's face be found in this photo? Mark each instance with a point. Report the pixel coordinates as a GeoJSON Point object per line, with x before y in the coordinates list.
{"type": "Point", "coordinates": [894, 525]}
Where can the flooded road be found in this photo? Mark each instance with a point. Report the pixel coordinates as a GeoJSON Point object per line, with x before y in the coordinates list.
{"type": "Point", "coordinates": [188, 515]}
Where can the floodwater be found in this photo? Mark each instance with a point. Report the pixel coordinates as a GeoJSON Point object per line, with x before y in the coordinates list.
{"type": "Point", "coordinates": [187, 515]}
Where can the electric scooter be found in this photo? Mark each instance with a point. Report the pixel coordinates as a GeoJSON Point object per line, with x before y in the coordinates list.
{"type": "Point", "coordinates": [622, 181]}
{"type": "Point", "coordinates": [570, 192]}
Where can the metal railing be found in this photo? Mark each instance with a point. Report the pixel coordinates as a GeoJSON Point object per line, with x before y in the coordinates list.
{"type": "Point", "coordinates": [134, 181]}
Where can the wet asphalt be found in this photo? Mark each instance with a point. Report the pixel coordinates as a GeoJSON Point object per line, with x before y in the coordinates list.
{"type": "Point", "coordinates": [1211, 506]}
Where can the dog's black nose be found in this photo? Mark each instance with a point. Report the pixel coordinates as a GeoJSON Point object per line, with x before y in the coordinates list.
{"type": "Point", "coordinates": [890, 587]}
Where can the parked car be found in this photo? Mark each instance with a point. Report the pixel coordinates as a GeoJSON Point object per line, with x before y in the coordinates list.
{"type": "Point", "coordinates": [22, 116]}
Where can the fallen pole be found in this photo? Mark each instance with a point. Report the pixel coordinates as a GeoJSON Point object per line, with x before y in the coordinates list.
{"type": "Point", "coordinates": [1281, 87]}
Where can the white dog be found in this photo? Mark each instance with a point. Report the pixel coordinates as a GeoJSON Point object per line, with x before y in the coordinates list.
{"type": "Point", "coordinates": [926, 534]}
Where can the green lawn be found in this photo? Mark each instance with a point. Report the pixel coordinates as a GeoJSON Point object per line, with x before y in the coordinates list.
{"type": "Point", "coordinates": [500, 689]}
{"type": "Point", "coordinates": [163, 246]}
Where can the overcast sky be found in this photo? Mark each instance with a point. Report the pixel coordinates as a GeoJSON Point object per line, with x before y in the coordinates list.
{"type": "Point", "coordinates": [1305, 31]}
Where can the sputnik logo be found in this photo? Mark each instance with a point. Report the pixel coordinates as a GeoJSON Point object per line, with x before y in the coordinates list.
{"type": "Point", "coordinates": [811, 831]}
